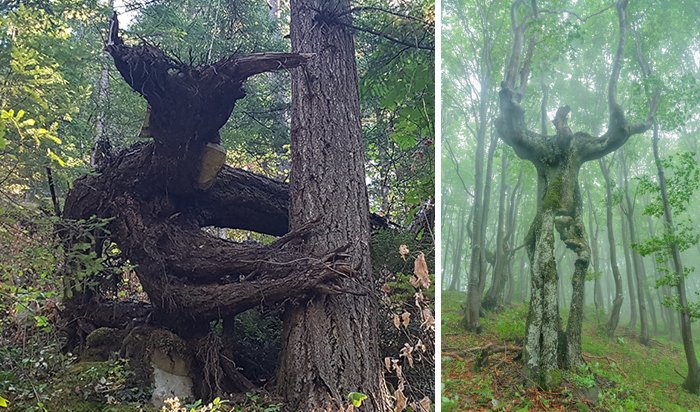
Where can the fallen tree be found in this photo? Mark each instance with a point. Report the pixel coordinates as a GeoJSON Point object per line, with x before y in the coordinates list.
{"type": "Point", "coordinates": [156, 198]}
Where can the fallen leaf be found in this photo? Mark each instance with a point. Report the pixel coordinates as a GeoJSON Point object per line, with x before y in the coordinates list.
{"type": "Point", "coordinates": [397, 321]}
{"type": "Point", "coordinates": [405, 319]}
{"type": "Point", "coordinates": [420, 269]}
{"type": "Point", "coordinates": [428, 319]}
{"type": "Point", "coordinates": [403, 251]}
{"type": "Point", "coordinates": [406, 353]}
{"type": "Point", "coordinates": [400, 400]}
{"type": "Point", "coordinates": [387, 363]}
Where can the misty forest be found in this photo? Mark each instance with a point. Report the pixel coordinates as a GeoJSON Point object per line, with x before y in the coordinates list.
{"type": "Point", "coordinates": [216, 206]}
{"type": "Point", "coordinates": [570, 174]}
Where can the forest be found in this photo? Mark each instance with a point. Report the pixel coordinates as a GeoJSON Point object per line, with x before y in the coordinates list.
{"type": "Point", "coordinates": [217, 206]}
{"type": "Point", "coordinates": [570, 171]}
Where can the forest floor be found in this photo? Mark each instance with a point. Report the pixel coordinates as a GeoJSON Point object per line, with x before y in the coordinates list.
{"type": "Point", "coordinates": [620, 375]}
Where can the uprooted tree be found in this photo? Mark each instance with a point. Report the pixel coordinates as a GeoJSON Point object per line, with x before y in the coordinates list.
{"type": "Point", "coordinates": [157, 198]}
{"type": "Point", "coordinates": [558, 160]}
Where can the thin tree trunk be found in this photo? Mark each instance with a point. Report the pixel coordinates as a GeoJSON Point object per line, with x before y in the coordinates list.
{"type": "Point", "coordinates": [494, 297]}
{"type": "Point", "coordinates": [457, 254]}
{"type": "Point", "coordinates": [628, 270]}
{"type": "Point", "coordinates": [637, 261]}
{"type": "Point", "coordinates": [692, 380]}
{"type": "Point", "coordinates": [617, 302]}
{"type": "Point", "coordinates": [477, 267]}
{"type": "Point", "coordinates": [447, 241]}
{"type": "Point", "coordinates": [598, 301]}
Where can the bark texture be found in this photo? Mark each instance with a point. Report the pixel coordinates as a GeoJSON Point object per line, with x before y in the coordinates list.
{"type": "Point", "coordinates": [330, 343]}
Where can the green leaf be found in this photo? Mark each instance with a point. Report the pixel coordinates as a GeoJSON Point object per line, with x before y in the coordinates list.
{"type": "Point", "coordinates": [4, 403]}
{"type": "Point", "coordinates": [53, 156]}
{"type": "Point", "coordinates": [356, 398]}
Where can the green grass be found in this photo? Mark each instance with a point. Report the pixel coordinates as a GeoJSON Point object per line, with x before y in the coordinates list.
{"type": "Point", "coordinates": [627, 375]}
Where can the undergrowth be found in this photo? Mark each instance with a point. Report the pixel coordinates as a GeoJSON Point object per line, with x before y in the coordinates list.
{"type": "Point", "coordinates": [620, 374]}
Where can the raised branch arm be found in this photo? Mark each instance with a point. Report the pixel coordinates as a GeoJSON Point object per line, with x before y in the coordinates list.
{"type": "Point", "coordinates": [511, 127]}
{"type": "Point", "coordinates": [619, 130]}
{"type": "Point", "coordinates": [190, 101]}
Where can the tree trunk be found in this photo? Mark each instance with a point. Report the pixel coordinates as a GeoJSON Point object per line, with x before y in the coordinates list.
{"type": "Point", "coordinates": [155, 197]}
{"type": "Point", "coordinates": [598, 300]}
{"type": "Point", "coordinates": [457, 254]}
{"type": "Point", "coordinates": [637, 261]}
{"type": "Point", "coordinates": [628, 270]}
{"type": "Point", "coordinates": [447, 241]}
{"type": "Point", "coordinates": [477, 267]}
{"type": "Point", "coordinates": [330, 343]}
{"type": "Point", "coordinates": [692, 380]}
{"type": "Point", "coordinates": [619, 297]}
{"type": "Point", "coordinates": [494, 296]}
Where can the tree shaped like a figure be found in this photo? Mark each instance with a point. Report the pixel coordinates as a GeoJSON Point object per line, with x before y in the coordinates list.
{"type": "Point", "coordinates": [558, 159]}
{"type": "Point", "coordinates": [153, 194]}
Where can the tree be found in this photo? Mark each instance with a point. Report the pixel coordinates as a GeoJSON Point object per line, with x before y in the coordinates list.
{"type": "Point", "coordinates": [330, 342]}
{"type": "Point", "coordinates": [558, 160]}
{"type": "Point", "coordinates": [159, 194]}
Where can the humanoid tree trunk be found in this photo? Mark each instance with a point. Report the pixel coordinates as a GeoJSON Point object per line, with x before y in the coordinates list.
{"type": "Point", "coordinates": [614, 318]}
{"type": "Point", "coordinates": [558, 160]}
{"type": "Point", "coordinates": [330, 343]}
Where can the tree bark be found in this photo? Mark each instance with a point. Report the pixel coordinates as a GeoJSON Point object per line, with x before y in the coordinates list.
{"type": "Point", "coordinates": [330, 343]}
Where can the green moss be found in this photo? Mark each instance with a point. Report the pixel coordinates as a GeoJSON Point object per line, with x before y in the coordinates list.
{"type": "Point", "coordinates": [553, 194]}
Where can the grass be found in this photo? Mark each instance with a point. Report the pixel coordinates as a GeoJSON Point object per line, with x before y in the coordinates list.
{"type": "Point", "coordinates": [620, 374]}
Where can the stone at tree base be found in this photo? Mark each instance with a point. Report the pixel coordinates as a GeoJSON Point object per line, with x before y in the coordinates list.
{"type": "Point", "coordinates": [169, 385]}
{"type": "Point", "coordinates": [213, 159]}
{"type": "Point", "coordinates": [161, 359]}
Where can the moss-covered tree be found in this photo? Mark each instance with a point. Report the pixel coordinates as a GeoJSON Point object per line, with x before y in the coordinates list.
{"type": "Point", "coordinates": [558, 159]}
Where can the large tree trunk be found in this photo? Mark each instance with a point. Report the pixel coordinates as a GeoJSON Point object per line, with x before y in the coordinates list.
{"type": "Point", "coordinates": [330, 343]}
